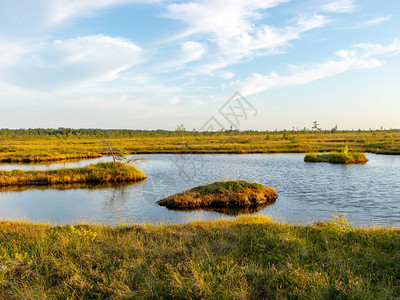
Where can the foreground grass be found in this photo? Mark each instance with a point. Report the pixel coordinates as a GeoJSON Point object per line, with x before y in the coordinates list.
{"type": "Point", "coordinates": [337, 158]}
{"type": "Point", "coordinates": [251, 257]}
{"type": "Point", "coordinates": [231, 194]}
{"type": "Point", "coordinates": [98, 173]}
{"type": "Point", "coordinates": [384, 142]}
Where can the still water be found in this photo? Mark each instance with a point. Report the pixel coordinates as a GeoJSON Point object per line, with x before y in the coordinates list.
{"type": "Point", "coordinates": [369, 193]}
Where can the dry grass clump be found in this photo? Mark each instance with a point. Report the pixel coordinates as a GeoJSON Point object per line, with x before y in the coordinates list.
{"type": "Point", "coordinates": [222, 194]}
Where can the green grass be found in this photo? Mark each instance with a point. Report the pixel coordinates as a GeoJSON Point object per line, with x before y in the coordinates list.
{"type": "Point", "coordinates": [98, 173]}
{"type": "Point", "coordinates": [36, 150]}
{"type": "Point", "coordinates": [233, 194]}
{"type": "Point", "coordinates": [247, 258]}
{"type": "Point", "coordinates": [337, 158]}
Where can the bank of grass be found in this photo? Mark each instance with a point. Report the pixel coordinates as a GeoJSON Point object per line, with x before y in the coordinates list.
{"type": "Point", "coordinates": [231, 194]}
{"type": "Point", "coordinates": [246, 258]}
{"type": "Point", "coordinates": [36, 150]}
{"type": "Point", "coordinates": [337, 158]}
{"type": "Point", "coordinates": [95, 173]}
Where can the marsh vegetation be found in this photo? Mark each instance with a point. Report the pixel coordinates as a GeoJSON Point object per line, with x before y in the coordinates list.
{"type": "Point", "coordinates": [21, 146]}
{"type": "Point", "coordinates": [246, 258]}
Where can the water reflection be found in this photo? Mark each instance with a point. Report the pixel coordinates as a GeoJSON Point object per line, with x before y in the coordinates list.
{"type": "Point", "coordinates": [43, 166]}
{"type": "Point", "coordinates": [62, 187]}
{"type": "Point", "coordinates": [230, 211]}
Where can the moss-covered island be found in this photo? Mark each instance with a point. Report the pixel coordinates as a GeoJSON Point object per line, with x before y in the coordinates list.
{"type": "Point", "coordinates": [233, 194]}
{"type": "Point", "coordinates": [98, 173]}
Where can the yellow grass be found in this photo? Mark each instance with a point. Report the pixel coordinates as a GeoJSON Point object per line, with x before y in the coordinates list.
{"type": "Point", "coordinates": [384, 142]}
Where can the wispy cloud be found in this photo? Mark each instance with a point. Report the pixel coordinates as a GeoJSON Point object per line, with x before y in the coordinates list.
{"type": "Point", "coordinates": [361, 56]}
{"type": "Point", "coordinates": [339, 6]}
{"type": "Point", "coordinates": [377, 20]}
{"type": "Point", "coordinates": [219, 17]}
{"type": "Point", "coordinates": [233, 31]}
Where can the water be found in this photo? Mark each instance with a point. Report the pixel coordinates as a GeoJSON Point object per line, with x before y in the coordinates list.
{"type": "Point", "coordinates": [369, 194]}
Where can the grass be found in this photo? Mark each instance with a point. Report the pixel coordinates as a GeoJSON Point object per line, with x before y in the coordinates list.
{"type": "Point", "coordinates": [233, 194]}
{"type": "Point", "coordinates": [246, 258]}
{"type": "Point", "coordinates": [337, 158]}
{"type": "Point", "coordinates": [98, 173]}
{"type": "Point", "coordinates": [36, 150]}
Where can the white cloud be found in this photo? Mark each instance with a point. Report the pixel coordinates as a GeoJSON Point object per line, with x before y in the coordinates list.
{"type": "Point", "coordinates": [63, 10]}
{"type": "Point", "coordinates": [191, 51]}
{"type": "Point", "coordinates": [219, 16]}
{"type": "Point", "coordinates": [265, 40]}
{"type": "Point", "coordinates": [377, 20]}
{"type": "Point", "coordinates": [369, 49]}
{"type": "Point", "coordinates": [360, 57]}
{"type": "Point", "coordinates": [339, 6]}
{"type": "Point", "coordinates": [229, 26]}
{"type": "Point", "coordinates": [267, 37]}
{"type": "Point", "coordinates": [87, 59]}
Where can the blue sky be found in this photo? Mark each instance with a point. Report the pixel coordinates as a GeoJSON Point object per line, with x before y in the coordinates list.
{"type": "Point", "coordinates": [158, 63]}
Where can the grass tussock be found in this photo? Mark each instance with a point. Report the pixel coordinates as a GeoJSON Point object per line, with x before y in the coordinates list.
{"type": "Point", "coordinates": [235, 194]}
{"type": "Point", "coordinates": [246, 258]}
{"type": "Point", "coordinates": [344, 157]}
{"type": "Point", "coordinates": [337, 158]}
{"type": "Point", "coordinates": [98, 173]}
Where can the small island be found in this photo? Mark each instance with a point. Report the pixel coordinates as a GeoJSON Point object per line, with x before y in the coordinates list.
{"type": "Point", "coordinates": [95, 173]}
{"type": "Point", "coordinates": [230, 194]}
{"type": "Point", "coordinates": [343, 157]}
{"type": "Point", "coordinates": [337, 158]}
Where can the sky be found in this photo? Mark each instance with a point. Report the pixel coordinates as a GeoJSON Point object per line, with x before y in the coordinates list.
{"type": "Point", "coordinates": [154, 64]}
